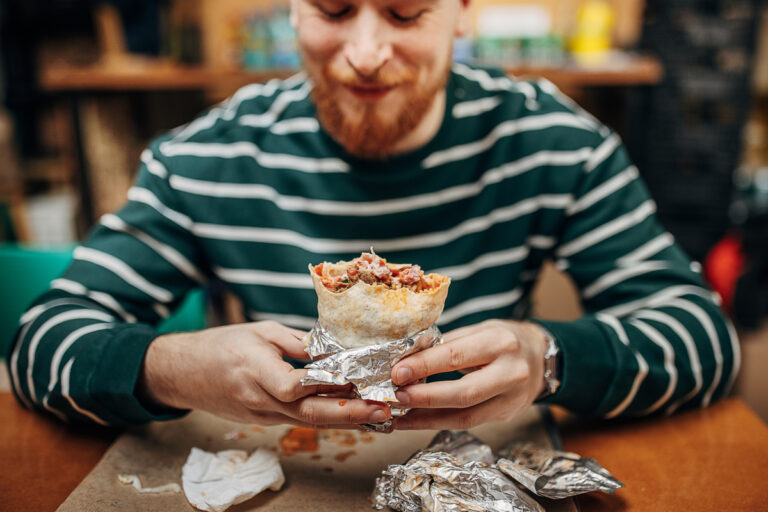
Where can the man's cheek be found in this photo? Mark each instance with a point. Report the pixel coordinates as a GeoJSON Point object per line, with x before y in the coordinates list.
{"type": "Point", "coordinates": [317, 41]}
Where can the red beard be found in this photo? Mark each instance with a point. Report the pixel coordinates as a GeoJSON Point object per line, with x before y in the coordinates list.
{"type": "Point", "coordinates": [371, 133]}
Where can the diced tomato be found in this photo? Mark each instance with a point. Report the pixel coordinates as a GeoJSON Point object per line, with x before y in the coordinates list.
{"type": "Point", "coordinates": [319, 270]}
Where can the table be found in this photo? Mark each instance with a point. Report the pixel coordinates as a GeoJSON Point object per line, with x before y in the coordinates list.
{"type": "Point", "coordinates": [711, 459]}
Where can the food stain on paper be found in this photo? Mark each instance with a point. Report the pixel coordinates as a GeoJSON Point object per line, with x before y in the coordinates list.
{"type": "Point", "coordinates": [342, 403]}
{"type": "Point", "coordinates": [341, 457]}
{"type": "Point", "coordinates": [299, 439]}
{"type": "Point", "coordinates": [234, 435]}
{"type": "Point", "coordinates": [316, 457]}
{"type": "Point", "coordinates": [340, 437]}
{"type": "Point", "coordinates": [366, 437]}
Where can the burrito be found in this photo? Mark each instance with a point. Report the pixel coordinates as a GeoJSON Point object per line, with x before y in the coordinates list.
{"type": "Point", "coordinates": [367, 301]}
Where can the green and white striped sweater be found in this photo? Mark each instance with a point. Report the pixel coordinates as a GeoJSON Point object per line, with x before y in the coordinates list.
{"type": "Point", "coordinates": [254, 190]}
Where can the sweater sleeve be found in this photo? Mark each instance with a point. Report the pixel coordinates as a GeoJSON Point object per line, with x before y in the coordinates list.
{"type": "Point", "coordinates": [80, 347]}
{"type": "Point", "coordinates": [653, 339]}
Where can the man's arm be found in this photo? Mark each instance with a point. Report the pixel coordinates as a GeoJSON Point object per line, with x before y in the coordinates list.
{"type": "Point", "coordinates": [87, 349]}
{"type": "Point", "coordinates": [80, 346]}
{"type": "Point", "coordinates": [653, 338]}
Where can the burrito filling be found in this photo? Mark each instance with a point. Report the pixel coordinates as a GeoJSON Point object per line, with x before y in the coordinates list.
{"type": "Point", "coordinates": [373, 270]}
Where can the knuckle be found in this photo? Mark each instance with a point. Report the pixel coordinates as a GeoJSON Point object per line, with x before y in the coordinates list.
{"type": "Point", "coordinates": [520, 375]}
{"type": "Point", "coordinates": [427, 400]}
{"type": "Point", "coordinates": [353, 415]}
{"type": "Point", "coordinates": [253, 401]}
{"type": "Point", "coordinates": [311, 413]}
{"type": "Point", "coordinates": [509, 342]}
{"type": "Point", "coordinates": [420, 366]}
{"type": "Point", "coordinates": [287, 391]}
{"type": "Point", "coordinates": [456, 357]}
{"type": "Point", "coordinates": [469, 397]}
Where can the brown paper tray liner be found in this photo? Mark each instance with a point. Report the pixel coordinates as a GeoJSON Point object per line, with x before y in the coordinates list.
{"type": "Point", "coordinates": [157, 452]}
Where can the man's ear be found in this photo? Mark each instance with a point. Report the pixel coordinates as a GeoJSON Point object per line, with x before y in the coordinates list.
{"type": "Point", "coordinates": [464, 20]}
{"type": "Point", "coordinates": [294, 17]}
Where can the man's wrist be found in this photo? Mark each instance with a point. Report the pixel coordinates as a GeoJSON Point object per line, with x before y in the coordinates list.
{"type": "Point", "coordinates": [156, 388]}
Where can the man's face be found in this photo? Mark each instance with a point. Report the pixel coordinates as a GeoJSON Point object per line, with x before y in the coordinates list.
{"type": "Point", "coordinates": [377, 65]}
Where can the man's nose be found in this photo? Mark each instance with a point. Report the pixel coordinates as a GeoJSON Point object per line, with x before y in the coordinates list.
{"type": "Point", "coordinates": [368, 48]}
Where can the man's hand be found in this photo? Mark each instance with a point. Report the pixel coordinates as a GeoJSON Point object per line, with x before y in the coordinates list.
{"type": "Point", "coordinates": [237, 372]}
{"type": "Point", "coordinates": [503, 362]}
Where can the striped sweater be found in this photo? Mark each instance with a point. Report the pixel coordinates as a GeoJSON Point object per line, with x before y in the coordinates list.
{"type": "Point", "coordinates": [254, 190]}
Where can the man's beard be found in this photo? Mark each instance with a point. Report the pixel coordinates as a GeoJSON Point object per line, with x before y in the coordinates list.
{"type": "Point", "coordinates": [371, 133]}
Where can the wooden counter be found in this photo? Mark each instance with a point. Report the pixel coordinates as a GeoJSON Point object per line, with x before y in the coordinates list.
{"type": "Point", "coordinates": [711, 459]}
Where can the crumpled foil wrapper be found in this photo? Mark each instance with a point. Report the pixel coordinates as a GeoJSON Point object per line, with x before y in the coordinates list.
{"type": "Point", "coordinates": [454, 474]}
{"type": "Point", "coordinates": [457, 473]}
{"type": "Point", "coordinates": [554, 474]}
{"type": "Point", "coordinates": [463, 446]}
{"type": "Point", "coordinates": [367, 368]}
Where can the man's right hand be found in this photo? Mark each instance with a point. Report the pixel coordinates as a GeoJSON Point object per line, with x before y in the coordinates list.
{"type": "Point", "coordinates": [238, 372]}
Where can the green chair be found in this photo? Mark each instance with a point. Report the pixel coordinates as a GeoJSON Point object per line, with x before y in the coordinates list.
{"type": "Point", "coordinates": [26, 272]}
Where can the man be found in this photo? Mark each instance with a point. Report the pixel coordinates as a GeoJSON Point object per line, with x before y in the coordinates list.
{"type": "Point", "coordinates": [382, 143]}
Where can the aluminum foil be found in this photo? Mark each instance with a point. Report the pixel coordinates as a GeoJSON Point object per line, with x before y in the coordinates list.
{"type": "Point", "coordinates": [554, 474]}
{"type": "Point", "coordinates": [367, 368]}
{"type": "Point", "coordinates": [458, 472]}
{"type": "Point", "coordinates": [463, 446]}
{"type": "Point", "coordinates": [450, 481]}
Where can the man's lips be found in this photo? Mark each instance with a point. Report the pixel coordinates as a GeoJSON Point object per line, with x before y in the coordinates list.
{"type": "Point", "coordinates": [369, 92]}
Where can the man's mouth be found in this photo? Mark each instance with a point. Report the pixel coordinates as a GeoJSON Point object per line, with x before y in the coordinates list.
{"type": "Point", "coordinates": [369, 92]}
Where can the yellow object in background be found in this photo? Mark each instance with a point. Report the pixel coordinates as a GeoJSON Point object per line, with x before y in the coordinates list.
{"type": "Point", "coordinates": [591, 42]}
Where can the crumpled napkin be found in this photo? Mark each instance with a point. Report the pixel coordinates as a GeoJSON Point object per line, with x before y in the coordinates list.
{"type": "Point", "coordinates": [214, 482]}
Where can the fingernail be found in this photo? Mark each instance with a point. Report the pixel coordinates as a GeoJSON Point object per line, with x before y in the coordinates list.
{"type": "Point", "coordinates": [402, 397]}
{"type": "Point", "coordinates": [378, 416]}
{"type": "Point", "coordinates": [404, 374]}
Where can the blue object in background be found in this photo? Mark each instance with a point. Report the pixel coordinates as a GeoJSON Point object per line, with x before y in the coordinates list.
{"type": "Point", "coordinates": [25, 273]}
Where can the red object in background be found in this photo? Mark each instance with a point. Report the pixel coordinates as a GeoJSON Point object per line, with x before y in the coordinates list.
{"type": "Point", "coordinates": [723, 266]}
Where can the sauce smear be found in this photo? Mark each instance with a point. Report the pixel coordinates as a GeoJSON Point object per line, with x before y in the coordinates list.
{"type": "Point", "coordinates": [341, 457]}
{"type": "Point", "coordinates": [299, 439]}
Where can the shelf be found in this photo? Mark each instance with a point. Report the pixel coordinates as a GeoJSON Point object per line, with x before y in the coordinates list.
{"type": "Point", "coordinates": [153, 75]}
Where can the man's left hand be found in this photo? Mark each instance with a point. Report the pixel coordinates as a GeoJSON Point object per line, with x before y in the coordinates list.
{"type": "Point", "coordinates": [503, 362]}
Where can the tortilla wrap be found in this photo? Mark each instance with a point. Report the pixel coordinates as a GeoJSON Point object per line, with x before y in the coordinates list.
{"type": "Point", "coordinates": [368, 314]}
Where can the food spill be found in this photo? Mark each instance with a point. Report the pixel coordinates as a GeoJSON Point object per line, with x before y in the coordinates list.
{"type": "Point", "coordinates": [299, 439]}
{"type": "Point", "coordinates": [339, 437]}
{"type": "Point", "coordinates": [341, 457]}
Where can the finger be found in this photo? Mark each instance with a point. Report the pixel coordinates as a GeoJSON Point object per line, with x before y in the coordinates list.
{"type": "Point", "coordinates": [275, 418]}
{"type": "Point", "coordinates": [471, 389]}
{"type": "Point", "coordinates": [288, 340]}
{"type": "Point", "coordinates": [317, 410]}
{"type": "Point", "coordinates": [465, 352]}
{"type": "Point", "coordinates": [451, 336]}
{"type": "Point", "coordinates": [460, 419]}
{"type": "Point", "coordinates": [283, 382]}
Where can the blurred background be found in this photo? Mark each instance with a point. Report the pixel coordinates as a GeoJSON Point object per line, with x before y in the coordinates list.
{"type": "Point", "coordinates": [86, 83]}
